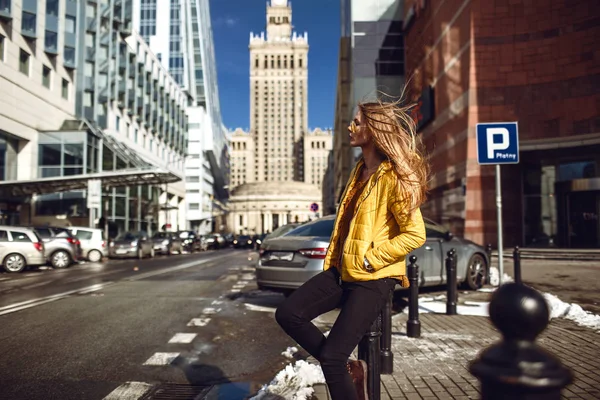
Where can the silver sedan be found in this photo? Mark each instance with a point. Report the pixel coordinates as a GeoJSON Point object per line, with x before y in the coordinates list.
{"type": "Point", "coordinates": [286, 262]}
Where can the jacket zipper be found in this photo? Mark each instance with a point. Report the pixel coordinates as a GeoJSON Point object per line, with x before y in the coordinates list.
{"type": "Point", "coordinates": [357, 208]}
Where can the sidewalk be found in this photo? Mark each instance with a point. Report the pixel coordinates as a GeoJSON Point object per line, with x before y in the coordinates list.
{"type": "Point", "coordinates": [435, 366]}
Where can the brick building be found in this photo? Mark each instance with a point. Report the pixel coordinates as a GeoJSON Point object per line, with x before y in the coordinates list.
{"type": "Point", "coordinates": [535, 62]}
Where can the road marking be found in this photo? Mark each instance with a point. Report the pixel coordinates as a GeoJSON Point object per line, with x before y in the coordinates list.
{"type": "Point", "coordinates": [89, 289]}
{"type": "Point", "coordinates": [216, 302]}
{"type": "Point", "coordinates": [253, 307]}
{"type": "Point", "coordinates": [129, 391]}
{"type": "Point", "coordinates": [235, 290]}
{"type": "Point", "coordinates": [161, 359]}
{"type": "Point", "coordinates": [183, 338]}
{"type": "Point", "coordinates": [43, 300]}
{"type": "Point", "coordinates": [198, 322]}
{"type": "Point", "coordinates": [210, 310]}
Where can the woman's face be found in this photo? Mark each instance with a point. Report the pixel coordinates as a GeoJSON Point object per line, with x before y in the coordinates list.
{"type": "Point", "coordinates": [359, 134]}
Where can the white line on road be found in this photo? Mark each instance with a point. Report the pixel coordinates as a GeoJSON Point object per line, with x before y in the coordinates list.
{"type": "Point", "coordinates": [183, 338]}
{"type": "Point", "coordinates": [253, 307]}
{"type": "Point", "coordinates": [43, 300]}
{"type": "Point", "coordinates": [216, 302]}
{"type": "Point", "coordinates": [199, 322]}
{"type": "Point", "coordinates": [89, 289]}
{"type": "Point", "coordinates": [210, 310]}
{"type": "Point", "coordinates": [129, 391]}
{"type": "Point", "coordinates": [161, 359]}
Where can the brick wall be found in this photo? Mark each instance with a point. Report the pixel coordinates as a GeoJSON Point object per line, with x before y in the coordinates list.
{"type": "Point", "coordinates": [535, 62]}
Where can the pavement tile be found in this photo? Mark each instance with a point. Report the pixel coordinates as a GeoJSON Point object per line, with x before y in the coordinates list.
{"type": "Point", "coordinates": [436, 365]}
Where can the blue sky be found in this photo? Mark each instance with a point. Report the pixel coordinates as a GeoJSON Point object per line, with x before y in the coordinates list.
{"type": "Point", "coordinates": [232, 22]}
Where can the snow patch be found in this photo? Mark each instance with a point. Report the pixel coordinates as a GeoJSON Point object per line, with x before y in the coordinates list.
{"type": "Point", "coordinates": [293, 383]}
{"type": "Point", "coordinates": [574, 312]}
{"type": "Point", "coordinates": [289, 352]}
{"type": "Point", "coordinates": [495, 277]}
{"type": "Point", "coordinates": [479, 309]}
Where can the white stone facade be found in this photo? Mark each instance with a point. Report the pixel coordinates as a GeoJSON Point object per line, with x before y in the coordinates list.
{"type": "Point", "coordinates": [278, 97]}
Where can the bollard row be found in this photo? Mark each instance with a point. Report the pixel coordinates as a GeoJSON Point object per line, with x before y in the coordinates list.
{"type": "Point", "coordinates": [452, 294]}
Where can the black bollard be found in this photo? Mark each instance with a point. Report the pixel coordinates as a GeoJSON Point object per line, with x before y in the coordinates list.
{"type": "Point", "coordinates": [370, 352]}
{"type": "Point", "coordinates": [387, 357]}
{"type": "Point", "coordinates": [452, 296]}
{"type": "Point", "coordinates": [517, 368]}
{"type": "Point", "coordinates": [488, 251]}
{"type": "Point", "coordinates": [517, 265]}
{"type": "Point", "coordinates": [413, 325]}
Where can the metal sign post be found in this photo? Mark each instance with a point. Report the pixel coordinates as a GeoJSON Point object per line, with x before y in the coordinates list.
{"type": "Point", "coordinates": [497, 144]}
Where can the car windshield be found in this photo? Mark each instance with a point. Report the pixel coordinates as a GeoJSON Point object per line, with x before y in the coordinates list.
{"type": "Point", "coordinates": [282, 230]}
{"type": "Point", "coordinates": [128, 236]}
{"type": "Point", "coordinates": [244, 238]}
{"type": "Point", "coordinates": [321, 228]}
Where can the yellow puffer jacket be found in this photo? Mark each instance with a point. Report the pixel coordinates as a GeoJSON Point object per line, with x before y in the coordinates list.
{"type": "Point", "coordinates": [379, 231]}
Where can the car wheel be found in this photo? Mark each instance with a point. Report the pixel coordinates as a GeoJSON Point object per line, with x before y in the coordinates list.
{"type": "Point", "coordinates": [60, 259]}
{"type": "Point", "coordinates": [94, 256]}
{"type": "Point", "coordinates": [14, 263]}
{"type": "Point", "coordinates": [476, 272]}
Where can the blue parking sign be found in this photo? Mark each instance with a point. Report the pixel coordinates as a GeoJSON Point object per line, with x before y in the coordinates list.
{"type": "Point", "coordinates": [498, 143]}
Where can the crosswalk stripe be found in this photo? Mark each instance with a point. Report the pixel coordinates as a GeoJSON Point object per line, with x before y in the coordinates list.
{"type": "Point", "coordinates": [161, 359]}
{"type": "Point", "coordinates": [129, 391]}
{"type": "Point", "coordinates": [183, 338]}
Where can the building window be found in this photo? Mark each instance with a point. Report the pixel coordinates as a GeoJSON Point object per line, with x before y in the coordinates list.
{"type": "Point", "coordinates": [192, 179]}
{"type": "Point", "coordinates": [69, 55]}
{"type": "Point", "coordinates": [1, 48]}
{"type": "Point", "coordinates": [194, 206]}
{"type": "Point", "coordinates": [28, 23]}
{"type": "Point", "coordinates": [117, 123]}
{"type": "Point", "coordinates": [50, 41]}
{"type": "Point", "coordinates": [24, 62]}
{"type": "Point", "coordinates": [52, 7]}
{"type": "Point", "coordinates": [46, 76]}
{"type": "Point", "coordinates": [69, 24]}
{"type": "Point", "coordinates": [135, 135]}
{"type": "Point", "coordinates": [65, 89]}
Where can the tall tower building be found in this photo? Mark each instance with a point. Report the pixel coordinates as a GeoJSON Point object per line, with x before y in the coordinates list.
{"type": "Point", "coordinates": [278, 97]}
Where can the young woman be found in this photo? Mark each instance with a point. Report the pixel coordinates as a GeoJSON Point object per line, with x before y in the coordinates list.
{"type": "Point", "coordinates": [378, 224]}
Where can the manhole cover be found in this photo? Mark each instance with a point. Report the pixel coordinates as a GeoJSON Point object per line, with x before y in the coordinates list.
{"type": "Point", "coordinates": [173, 391]}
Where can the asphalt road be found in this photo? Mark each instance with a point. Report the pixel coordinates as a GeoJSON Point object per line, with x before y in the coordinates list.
{"type": "Point", "coordinates": [163, 328]}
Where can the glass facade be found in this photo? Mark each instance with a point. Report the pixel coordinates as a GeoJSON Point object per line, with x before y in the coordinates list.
{"type": "Point", "coordinates": [75, 153]}
{"type": "Point", "coordinates": [561, 202]}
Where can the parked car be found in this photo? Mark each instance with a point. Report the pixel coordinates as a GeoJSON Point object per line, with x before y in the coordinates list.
{"type": "Point", "coordinates": [242, 242]}
{"type": "Point", "coordinates": [93, 244]}
{"type": "Point", "coordinates": [286, 262]}
{"type": "Point", "coordinates": [62, 248]}
{"type": "Point", "coordinates": [192, 241]}
{"type": "Point", "coordinates": [167, 243]}
{"type": "Point", "coordinates": [131, 244]}
{"type": "Point", "coordinates": [20, 248]}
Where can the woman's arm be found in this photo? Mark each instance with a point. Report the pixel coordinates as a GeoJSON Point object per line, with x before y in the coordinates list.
{"type": "Point", "coordinates": [411, 237]}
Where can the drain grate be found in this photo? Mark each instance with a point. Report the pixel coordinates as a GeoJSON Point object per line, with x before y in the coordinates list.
{"type": "Point", "coordinates": [173, 391]}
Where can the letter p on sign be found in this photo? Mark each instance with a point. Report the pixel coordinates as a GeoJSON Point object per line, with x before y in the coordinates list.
{"type": "Point", "coordinates": [493, 145]}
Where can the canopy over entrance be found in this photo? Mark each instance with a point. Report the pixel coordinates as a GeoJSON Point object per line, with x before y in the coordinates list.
{"type": "Point", "coordinates": [120, 178]}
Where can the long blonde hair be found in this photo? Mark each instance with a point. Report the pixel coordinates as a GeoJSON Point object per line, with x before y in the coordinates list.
{"type": "Point", "coordinates": [394, 134]}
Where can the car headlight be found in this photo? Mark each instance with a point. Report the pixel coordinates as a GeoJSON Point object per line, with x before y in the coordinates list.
{"type": "Point", "coordinates": [165, 242]}
{"type": "Point", "coordinates": [235, 242]}
{"type": "Point", "coordinates": [134, 243]}
{"type": "Point", "coordinates": [258, 241]}
{"type": "Point", "coordinates": [249, 241]}
{"type": "Point", "coordinates": [111, 244]}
